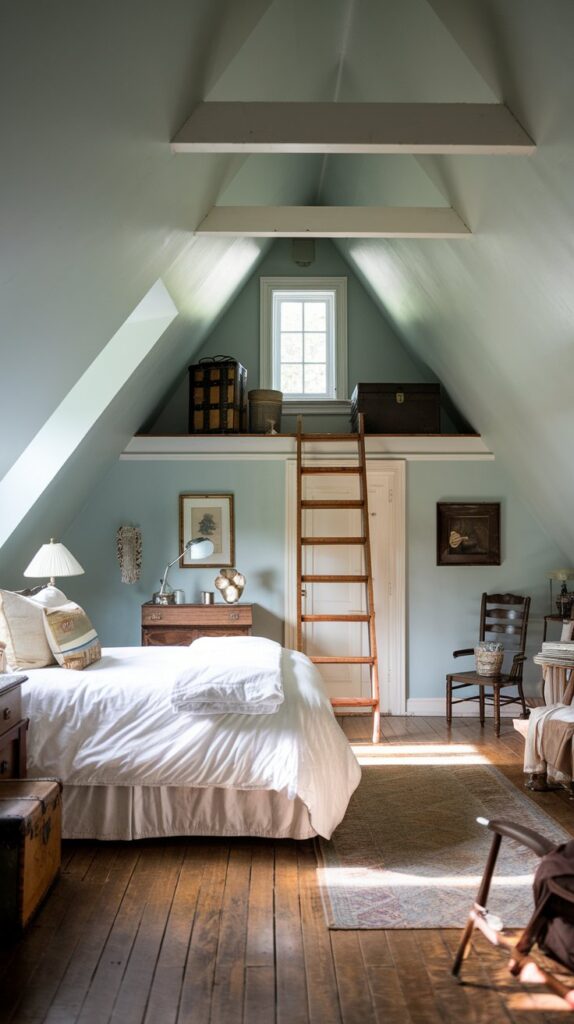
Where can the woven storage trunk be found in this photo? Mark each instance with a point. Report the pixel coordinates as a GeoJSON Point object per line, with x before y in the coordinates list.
{"type": "Point", "coordinates": [397, 408]}
{"type": "Point", "coordinates": [217, 396]}
{"type": "Point", "coordinates": [30, 841]}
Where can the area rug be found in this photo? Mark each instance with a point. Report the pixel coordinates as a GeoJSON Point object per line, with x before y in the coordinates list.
{"type": "Point", "coordinates": [410, 854]}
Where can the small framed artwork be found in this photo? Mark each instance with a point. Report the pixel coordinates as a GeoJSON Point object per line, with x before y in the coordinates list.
{"type": "Point", "coordinates": [209, 516]}
{"type": "Point", "coordinates": [467, 534]}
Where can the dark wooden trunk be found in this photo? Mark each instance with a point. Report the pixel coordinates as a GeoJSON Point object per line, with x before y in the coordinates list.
{"type": "Point", "coordinates": [217, 397]}
{"type": "Point", "coordinates": [397, 408]}
{"type": "Point", "coordinates": [30, 841]}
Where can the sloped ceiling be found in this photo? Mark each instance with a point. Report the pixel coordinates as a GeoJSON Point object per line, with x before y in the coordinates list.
{"type": "Point", "coordinates": [95, 208]}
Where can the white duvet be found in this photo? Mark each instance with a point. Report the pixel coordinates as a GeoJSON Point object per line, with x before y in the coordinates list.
{"type": "Point", "coordinates": [113, 724]}
{"type": "Point", "coordinates": [239, 674]}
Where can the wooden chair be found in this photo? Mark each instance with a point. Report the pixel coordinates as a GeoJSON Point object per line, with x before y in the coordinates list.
{"type": "Point", "coordinates": [556, 901]}
{"type": "Point", "coordinates": [503, 617]}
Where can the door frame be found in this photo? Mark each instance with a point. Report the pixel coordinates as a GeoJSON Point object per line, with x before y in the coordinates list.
{"type": "Point", "coordinates": [392, 668]}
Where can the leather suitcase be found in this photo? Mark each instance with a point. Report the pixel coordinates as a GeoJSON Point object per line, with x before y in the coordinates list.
{"type": "Point", "coordinates": [30, 848]}
{"type": "Point", "coordinates": [397, 408]}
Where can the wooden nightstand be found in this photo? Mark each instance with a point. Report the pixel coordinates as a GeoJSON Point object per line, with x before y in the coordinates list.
{"type": "Point", "coordinates": [181, 624]}
{"type": "Point", "coordinates": [12, 728]}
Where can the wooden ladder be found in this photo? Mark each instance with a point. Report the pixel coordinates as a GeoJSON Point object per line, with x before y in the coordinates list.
{"type": "Point", "coordinates": [366, 578]}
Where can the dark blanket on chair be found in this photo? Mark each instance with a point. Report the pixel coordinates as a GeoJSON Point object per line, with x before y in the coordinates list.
{"type": "Point", "coordinates": [557, 935]}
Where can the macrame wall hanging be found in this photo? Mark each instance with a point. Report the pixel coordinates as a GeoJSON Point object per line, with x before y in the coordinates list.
{"type": "Point", "coordinates": [129, 550]}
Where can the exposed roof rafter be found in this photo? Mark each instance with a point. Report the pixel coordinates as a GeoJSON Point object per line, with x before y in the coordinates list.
{"type": "Point", "coordinates": [447, 128]}
{"type": "Point", "coordinates": [334, 222]}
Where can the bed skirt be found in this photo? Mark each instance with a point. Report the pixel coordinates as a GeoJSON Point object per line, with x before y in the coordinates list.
{"type": "Point", "coordinates": [150, 812]}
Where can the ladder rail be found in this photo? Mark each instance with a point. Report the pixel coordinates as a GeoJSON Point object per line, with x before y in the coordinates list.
{"type": "Point", "coordinates": [299, 546]}
{"type": "Point", "coordinates": [370, 589]}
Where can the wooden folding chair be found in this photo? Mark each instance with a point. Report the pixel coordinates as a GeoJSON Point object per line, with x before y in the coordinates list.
{"type": "Point", "coordinates": [521, 964]}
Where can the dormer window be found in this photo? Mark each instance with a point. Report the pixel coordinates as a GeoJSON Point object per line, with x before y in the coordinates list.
{"type": "Point", "coordinates": [304, 337]}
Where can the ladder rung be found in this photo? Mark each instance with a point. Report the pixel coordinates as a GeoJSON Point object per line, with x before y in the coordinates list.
{"type": "Point", "coordinates": [353, 702]}
{"type": "Point", "coordinates": [333, 504]}
{"type": "Point", "coordinates": [334, 579]}
{"type": "Point", "coordinates": [333, 540]}
{"type": "Point", "coordinates": [329, 469]}
{"type": "Point", "coordinates": [335, 618]}
{"type": "Point", "coordinates": [329, 437]}
{"type": "Point", "coordinates": [323, 659]}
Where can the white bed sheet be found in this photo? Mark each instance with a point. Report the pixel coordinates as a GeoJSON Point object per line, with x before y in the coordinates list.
{"type": "Point", "coordinates": [113, 725]}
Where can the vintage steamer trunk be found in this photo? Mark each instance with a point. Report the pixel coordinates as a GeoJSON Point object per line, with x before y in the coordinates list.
{"type": "Point", "coordinates": [217, 396]}
{"type": "Point", "coordinates": [397, 408]}
{"type": "Point", "coordinates": [30, 848]}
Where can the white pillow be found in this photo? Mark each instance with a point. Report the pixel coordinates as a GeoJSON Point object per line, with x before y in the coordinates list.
{"type": "Point", "coordinates": [22, 627]}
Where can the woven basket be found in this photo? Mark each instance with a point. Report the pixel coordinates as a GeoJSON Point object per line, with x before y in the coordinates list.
{"type": "Point", "coordinates": [488, 661]}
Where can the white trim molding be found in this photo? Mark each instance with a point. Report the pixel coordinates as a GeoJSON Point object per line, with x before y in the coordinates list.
{"type": "Point", "coordinates": [282, 447]}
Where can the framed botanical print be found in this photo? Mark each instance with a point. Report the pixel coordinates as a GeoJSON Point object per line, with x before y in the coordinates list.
{"type": "Point", "coordinates": [208, 516]}
{"type": "Point", "coordinates": [468, 534]}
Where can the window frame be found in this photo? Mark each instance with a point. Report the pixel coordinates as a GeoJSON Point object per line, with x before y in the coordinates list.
{"type": "Point", "coordinates": [269, 286]}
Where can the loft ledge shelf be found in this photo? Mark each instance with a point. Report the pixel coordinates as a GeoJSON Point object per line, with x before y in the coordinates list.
{"type": "Point", "coordinates": [282, 447]}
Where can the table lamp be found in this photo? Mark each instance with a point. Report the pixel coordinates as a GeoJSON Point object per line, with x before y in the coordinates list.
{"type": "Point", "coordinates": [562, 575]}
{"type": "Point", "coordinates": [199, 547]}
{"type": "Point", "coordinates": [53, 560]}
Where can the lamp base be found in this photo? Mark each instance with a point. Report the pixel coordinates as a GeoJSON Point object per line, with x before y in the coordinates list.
{"type": "Point", "coordinates": [163, 598]}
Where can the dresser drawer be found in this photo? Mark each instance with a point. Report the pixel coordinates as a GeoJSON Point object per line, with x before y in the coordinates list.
{"type": "Point", "coordinates": [13, 751]}
{"type": "Point", "coordinates": [200, 616]}
{"type": "Point", "coordinates": [10, 708]}
{"type": "Point", "coordinates": [9, 759]}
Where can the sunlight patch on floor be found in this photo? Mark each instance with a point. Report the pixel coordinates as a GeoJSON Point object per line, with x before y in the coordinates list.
{"type": "Point", "coordinates": [373, 878]}
{"type": "Point", "coordinates": [418, 753]}
{"type": "Point", "coordinates": [537, 1002]}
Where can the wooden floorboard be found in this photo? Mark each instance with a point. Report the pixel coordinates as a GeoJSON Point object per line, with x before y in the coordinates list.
{"type": "Point", "coordinates": [233, 931]}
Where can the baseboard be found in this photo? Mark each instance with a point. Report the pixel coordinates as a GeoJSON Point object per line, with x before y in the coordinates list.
{"type": "Point", "coordinates": [435, 707]}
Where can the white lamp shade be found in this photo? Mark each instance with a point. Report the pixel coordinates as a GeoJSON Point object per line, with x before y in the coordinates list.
{"type": "Point", "coordinates": [201, 547]}
{"type": "Point", "coordinates": [53, 560]}
{"type": "Point", "coordinates": [560, 574]}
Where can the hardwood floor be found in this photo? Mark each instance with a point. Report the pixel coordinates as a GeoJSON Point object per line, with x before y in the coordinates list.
{"type": "Point", "coordinates": [204, 931]}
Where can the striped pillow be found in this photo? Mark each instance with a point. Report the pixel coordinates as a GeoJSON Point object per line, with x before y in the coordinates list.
{"type": "Point", "coordinates": [71, 636]}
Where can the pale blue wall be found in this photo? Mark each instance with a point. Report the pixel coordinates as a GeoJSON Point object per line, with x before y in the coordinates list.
{"type": "Point", "coordinates": [442, 602]}
{"type": "Point", "coordinates": [146, 494]}
{"type": "Point", "coordinates": [375, 351]}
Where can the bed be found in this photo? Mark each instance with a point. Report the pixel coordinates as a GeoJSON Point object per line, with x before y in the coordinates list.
{"type": "Point", "coordinates": [133, 768]}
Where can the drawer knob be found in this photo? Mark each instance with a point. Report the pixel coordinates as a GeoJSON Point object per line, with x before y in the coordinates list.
{"type": "Point", "coordinates": [6, 714]}
{"type": "Point", "coordinates": [233, 616]}
{"type": "Point", "coordinates": [4, 766]}
{"type": "Point", "coordinates": [155, 616]}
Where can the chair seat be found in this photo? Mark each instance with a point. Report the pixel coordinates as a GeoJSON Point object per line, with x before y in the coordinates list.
{"type": "Point", "coordinates": [473, 679]}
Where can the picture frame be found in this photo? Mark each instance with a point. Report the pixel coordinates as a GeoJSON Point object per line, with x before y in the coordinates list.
{"type": "Point", "coordinates": [210, 516]}
{"type": "Point", "coordinates": [468, 533]}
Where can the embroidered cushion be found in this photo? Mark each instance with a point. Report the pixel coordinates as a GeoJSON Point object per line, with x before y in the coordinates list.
{"type": "Point", "coordinates": [22, 627]}
{"type": "Point", "coordinates": [71, 636]}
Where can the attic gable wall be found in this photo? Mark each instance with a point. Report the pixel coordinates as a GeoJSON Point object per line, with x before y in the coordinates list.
{"type": "Point", "coordinates": [494, 319]}
{"type": "Point", "coordinates": [375, 351]}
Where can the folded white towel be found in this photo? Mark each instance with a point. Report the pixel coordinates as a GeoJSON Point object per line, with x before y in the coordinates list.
{"type": "Point", "coordinates": [238, 675]}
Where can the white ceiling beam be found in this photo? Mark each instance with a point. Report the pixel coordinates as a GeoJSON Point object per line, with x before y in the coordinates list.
{"type": "Point", "coordinates": [333, 222]}
{"type": "Point", "coordinates": [448, 128]}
